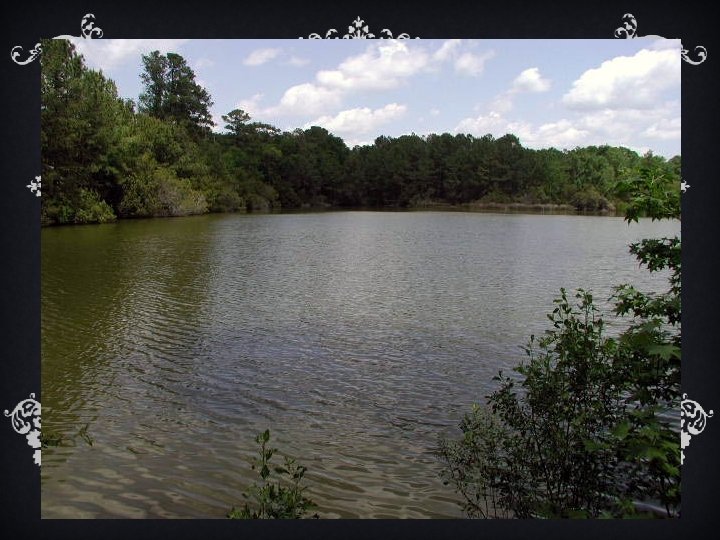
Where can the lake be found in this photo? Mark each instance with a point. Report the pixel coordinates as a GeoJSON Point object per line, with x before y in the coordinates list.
{"type": "Point", "coordinates": [357, 338]}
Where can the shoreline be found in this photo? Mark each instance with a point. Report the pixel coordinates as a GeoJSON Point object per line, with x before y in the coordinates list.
{"type": "Point", "coordinates": [490, 208]}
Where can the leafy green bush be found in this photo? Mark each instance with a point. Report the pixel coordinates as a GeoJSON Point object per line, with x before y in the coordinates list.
{"type": "Point", "coordinates": [546, 450]}
{"type": "Point", "coordinates": [56, 211]}
{"type": "Point", "coordinates": [92, 209]}
{"type": "Point", "coordinates": [652, 345]}
{"type": "Point", "coordinates": [227, 201]}
{"type": "Point", "coordinates": [496, 196]}
{"type": "Point", "coordinates": [274, 499]}
{"type": "Point", "coordinates": [587, 427]}
{"type": "Point", "coordinates": [155, 190]}
{"type": "Point", "coordinates": [476, 464]}
{"type": "Point", "coordinates": [259, 197]}
{"type": "Point", "coordinates": [589, 200]}
{"type": "Point", "coordinates": [85, 206]}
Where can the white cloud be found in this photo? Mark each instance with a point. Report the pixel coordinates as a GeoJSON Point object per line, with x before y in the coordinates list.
{"type": "Point", "coordinates": [261, 56]}
{"type": "Point", "coordinates": [611, 123]}
{"type": "Point", "coordinates": [298, 62]}
{"type": "Point", "coordinates": [434, 112]}
{"type": "Point", "coordinates": [472, 64]}
{"type": "Point", "coordinates": [447, 50]}
{"type": "Point", "coordinates": [299, 100]}
{"type": "Point", "coordinates": [380, 67]}
{"type": "Point", "coordinates": [502, 103]}
{"type": "Point", "coordinates": [664, 129]}
{"type": "Point", "coordinates": [465, 63]}
{"type": "Point", "coordinates": [493, 122]}
{"type": "Point", "coordinates": [631, 127]}
{"type": "Point", "coordinates": [360, 120]}
{"type": "Point", "coordinates": [306, 99]}
{"type": "Point", "coordinates": [387, 65]}
{"type": "Point", "coordinates": [110, 53]}
{"type": "Point", "coordinates": [560, 134]}
{"type": "Point", "coordinates": [658, 43]}
{"type": "Point", "coordinates": [625, 126]}
{"type": "Point", "coordinates": [251, 105]}
{"type": "Point", "coordinates": [530, 80]}
{"type": "Point", "coordinates": [627, 82]}
{"type": "Point", "coordinates": [619, 103]}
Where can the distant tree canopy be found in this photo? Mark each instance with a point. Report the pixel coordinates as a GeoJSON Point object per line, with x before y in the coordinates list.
{"type": "Point", "coordinates": [172, 94]}
{"type": "Point", "coordinates": [103, 159]}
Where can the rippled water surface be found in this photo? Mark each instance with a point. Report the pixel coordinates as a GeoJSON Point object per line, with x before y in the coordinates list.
{"type": "Point", "coordinates": [358, 338]}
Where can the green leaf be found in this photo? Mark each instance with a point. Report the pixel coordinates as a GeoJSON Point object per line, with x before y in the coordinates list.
{"type": "Point", "coordinates": [621, 430]}
{"type": "Point", "coordinates": [666, 351]}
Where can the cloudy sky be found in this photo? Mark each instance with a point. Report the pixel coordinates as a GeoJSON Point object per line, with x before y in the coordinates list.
{"type": "Point", "coordinates": [561, 93]}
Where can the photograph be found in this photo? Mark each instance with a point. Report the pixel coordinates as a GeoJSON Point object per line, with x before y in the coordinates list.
{"type": "Point", "coordinates": [360, 278]}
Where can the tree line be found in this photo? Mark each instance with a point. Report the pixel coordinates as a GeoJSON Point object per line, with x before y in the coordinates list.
{"type": "Point", "coordinates": [104, 157]}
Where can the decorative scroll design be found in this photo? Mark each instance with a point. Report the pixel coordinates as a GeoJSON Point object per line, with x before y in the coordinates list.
{"type": "Point", "coordinates": [88, 30]}
{"type": "Point", "coordinates": [25, 419]}
{"type": "Point", "coordinates": [693, 420]}
{"type": "Point", "coordinates": [628, 30]}
{"type": "Point", "coordinates": [358, 30]}
{"type": "Point", "coordinates": [35, 186]}
{"type": "Point", "coordinates": [17, 51]}
{"type": "Point", "coordinates": [699, 51]}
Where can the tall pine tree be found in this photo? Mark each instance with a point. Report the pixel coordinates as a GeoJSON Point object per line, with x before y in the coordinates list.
{"type": "Point", "coordinates": [171, 93]}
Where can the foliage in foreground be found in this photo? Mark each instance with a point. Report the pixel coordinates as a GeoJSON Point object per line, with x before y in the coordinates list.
{"type": "Point", "coordinates": [584, 428]}
{"type": "Point", "coordinates": [274, 499]}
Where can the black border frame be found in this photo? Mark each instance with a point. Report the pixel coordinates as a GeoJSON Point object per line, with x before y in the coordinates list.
{"type": "Point", "coordinates": [24, 24]}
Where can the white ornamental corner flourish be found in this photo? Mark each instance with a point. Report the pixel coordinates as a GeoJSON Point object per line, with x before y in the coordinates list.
{"type": "Point", "coordinates": [628, 30]}
{"type": "Point", "coordinates": [35, 186]}
{"type": "Point", "coordinates": [88, 30]}
{"type": "Point", "coordinates": [693, 420]}
{"type": "Point", "coordinates": [25, 418]}
{"type": "Point", "coordinates": [358, 30]}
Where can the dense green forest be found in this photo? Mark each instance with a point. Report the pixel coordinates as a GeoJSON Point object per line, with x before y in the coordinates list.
{"type": "Point", "coordinates": [105, 158]}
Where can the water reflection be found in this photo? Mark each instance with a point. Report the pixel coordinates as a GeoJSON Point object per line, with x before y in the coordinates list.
{"type": "Point", "coordinates": [357, 337]}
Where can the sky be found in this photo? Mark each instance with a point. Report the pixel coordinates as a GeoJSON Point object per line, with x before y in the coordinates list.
{"type": "Point", "coordinates": [549, 93]}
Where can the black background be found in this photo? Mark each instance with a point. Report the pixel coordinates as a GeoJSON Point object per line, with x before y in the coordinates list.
{"type": "Point", "coordinates": [24, 23]}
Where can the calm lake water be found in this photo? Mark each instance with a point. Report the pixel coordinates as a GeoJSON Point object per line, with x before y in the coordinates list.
{"type": "Point", "coordinates": [358, 338]}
